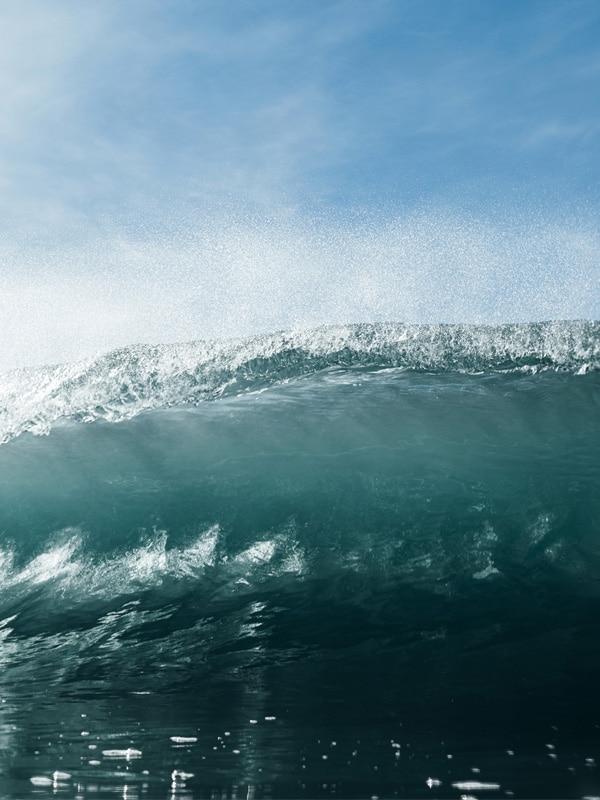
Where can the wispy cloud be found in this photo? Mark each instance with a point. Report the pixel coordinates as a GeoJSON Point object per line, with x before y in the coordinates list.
{"type": "Point", "coordinates": [105, 107]}
{"type": "Point", "coordinates": [559, 131]}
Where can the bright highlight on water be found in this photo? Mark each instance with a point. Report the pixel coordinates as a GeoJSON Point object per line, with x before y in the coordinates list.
{"type": "Point", "coordinates": [359, 560]}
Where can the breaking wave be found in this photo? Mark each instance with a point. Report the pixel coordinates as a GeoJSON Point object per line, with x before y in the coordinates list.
{"type": "Point", "coordinates": [376, 532]}
{"type": "Point", "coordinates": [128, 381]}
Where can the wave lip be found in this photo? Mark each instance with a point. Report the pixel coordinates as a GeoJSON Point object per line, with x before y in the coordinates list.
{"type": "Point", "coordinates": [123, 383]}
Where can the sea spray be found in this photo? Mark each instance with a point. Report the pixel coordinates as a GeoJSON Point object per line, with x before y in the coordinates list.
{"type": "Point", "coordinates": [227, 273]}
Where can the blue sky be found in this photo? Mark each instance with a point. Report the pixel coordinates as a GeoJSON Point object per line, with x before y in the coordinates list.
{"type": "Point", "coordinates": [140, 138]}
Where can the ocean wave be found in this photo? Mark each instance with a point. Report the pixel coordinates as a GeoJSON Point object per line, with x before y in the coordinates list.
{"type": "Point", "coordinates": [128, 381]}
{"type": "Point", "coordinates": [432, 479]}
{"type": "Point", "coordinates": [371, 524]}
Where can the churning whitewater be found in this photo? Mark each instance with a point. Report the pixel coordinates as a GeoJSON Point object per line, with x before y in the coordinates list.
{"type": "Point", "coordinates": [224, 562]}
{"type": "Point", "coordinates": [128, 381]}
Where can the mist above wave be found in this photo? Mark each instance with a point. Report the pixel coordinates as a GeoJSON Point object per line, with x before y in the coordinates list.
{"type": "Point", "coordinates": [237, 273]}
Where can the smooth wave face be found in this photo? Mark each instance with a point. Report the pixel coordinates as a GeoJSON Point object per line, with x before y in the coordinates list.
{"type": "Point", "coordinates": [371, 566]}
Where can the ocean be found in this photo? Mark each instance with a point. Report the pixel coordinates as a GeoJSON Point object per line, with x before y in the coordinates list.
{"type": "Point", "coordinates": [350, 562]}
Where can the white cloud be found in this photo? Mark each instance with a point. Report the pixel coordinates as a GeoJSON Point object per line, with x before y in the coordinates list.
{"type": "Point", "coordinates": [550, 132]}
{"type": "Point", "coordinates": [117, 107]}
{"type": "Point", "coordinates": [104, 106]}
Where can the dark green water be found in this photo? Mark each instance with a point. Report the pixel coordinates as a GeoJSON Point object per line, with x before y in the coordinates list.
{"type": "Point", "coordinates": [344, 578]}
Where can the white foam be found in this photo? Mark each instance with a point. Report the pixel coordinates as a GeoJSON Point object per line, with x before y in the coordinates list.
{"type": "Point", "coordinates": [127, 382]}
{"type": "Point", "coordinates": [473, 786]}
{"type": "Point", "coordinates": [55, 563]}
{"type": "Point", "coordinates": [149, 564]}
{"type": "Point", "coordinates": [261, 552]}
{"type": "Point", "coordinates": [41, 780]}
{"type": "Point", "coordinates": [127, 754]}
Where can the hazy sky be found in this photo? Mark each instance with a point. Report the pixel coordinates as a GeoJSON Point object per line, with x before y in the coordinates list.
{"type": "Point", "coordinates": [223, 153]}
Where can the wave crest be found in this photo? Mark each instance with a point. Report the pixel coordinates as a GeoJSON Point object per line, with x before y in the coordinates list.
{"type": "Point", "coordinates": [128, 381]}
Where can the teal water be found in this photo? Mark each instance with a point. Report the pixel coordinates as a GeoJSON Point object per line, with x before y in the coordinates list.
{"type": "Point", "coordinates": [353, 562]}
